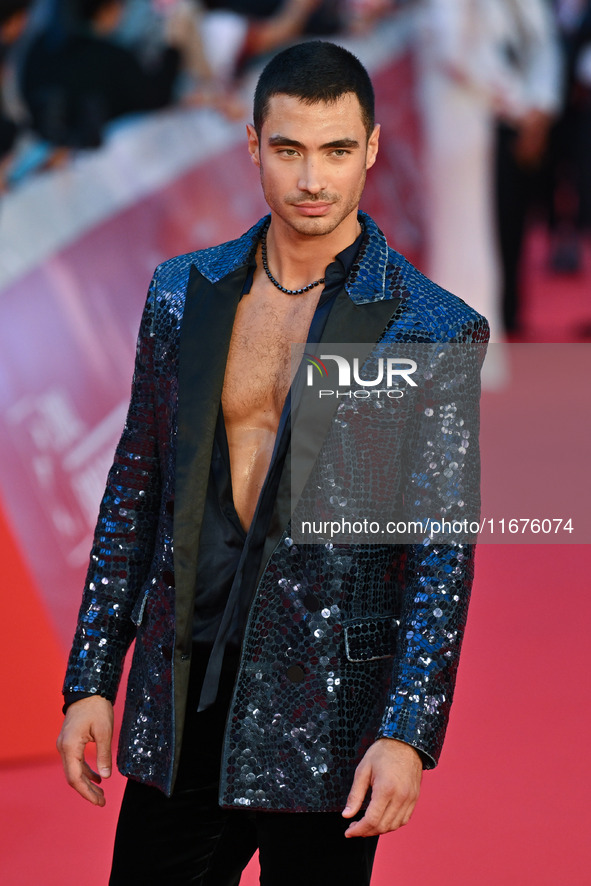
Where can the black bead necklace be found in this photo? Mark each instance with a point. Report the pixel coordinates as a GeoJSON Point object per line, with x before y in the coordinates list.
{"type": "Point", "coordinates": [272, 278]}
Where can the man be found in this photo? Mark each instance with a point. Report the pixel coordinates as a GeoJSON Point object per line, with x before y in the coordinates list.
{"type": "Point", "coordinates": [285, 654]}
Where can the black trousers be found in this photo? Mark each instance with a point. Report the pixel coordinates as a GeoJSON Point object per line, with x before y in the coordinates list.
{"type": "Point", "coordinates": [189, 839]}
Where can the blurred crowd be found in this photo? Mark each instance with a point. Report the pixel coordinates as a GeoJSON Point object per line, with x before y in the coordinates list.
{"type": "Point", "coordinates": [504, 93]}
{"type": "Point", "coordinates": [70, 67]}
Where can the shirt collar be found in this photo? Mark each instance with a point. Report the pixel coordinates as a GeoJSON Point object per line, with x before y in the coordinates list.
{"type": "Point", "coordinates": [366, 280]}
{"type": "Point", "coordinates": [336, 272]}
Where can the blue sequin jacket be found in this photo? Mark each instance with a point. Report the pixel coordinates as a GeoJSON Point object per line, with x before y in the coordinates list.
{"type": "Point", "coordinates": [343, 643]}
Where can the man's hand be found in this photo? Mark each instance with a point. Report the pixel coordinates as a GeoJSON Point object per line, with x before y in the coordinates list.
{"type": "Point", "coordinates": [393, 770]}
{"type": "Point", "coordinates": [90, 719]}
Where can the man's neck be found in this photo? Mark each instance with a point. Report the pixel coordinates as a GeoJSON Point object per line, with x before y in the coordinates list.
{"type": "Point", "coordinates": [295, 259]}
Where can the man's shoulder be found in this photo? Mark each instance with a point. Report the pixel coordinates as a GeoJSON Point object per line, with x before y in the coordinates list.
{"type": "Point", "coordinates": [213, 262]}
{"type": "Point", "coordinates": [425, 311]}
{"type": "Point", "coordinates": [429, 309]}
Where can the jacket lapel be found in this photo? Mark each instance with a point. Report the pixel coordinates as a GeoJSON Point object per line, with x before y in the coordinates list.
{"type": "Point", "coordinates": [206, 330]}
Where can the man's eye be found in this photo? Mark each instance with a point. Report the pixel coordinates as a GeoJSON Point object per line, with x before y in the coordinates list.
{"type": "Point", "coordinates": [289, 152]}
{"type": "Point", "coordinates": [341, 152]}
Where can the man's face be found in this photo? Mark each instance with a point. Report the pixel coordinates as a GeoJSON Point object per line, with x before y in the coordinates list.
{"type": "Point", "coordinates": [313, 160]}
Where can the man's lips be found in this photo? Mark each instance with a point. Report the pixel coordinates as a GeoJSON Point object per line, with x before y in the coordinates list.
{"type": "Point", "coordinates": [312, 208]}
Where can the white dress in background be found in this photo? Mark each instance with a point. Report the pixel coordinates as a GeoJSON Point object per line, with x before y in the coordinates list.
{"type": "Point", "coordinates": [466, 82]}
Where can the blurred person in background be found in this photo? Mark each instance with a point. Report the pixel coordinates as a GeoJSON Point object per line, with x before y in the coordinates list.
{"type": "Point", "coordinates": [238, 31]}
{"type": "Point", "coordinates": [570, 143]}
{"type": "Point", "coordinates": [14, 15]}
{"type": "Point", "coordinates": [75, 78]}
{"type": "Point", "coordinates": [480, 62]}
{"type": "Point", "coordinates": [528, 40]}
{"type": "Point", "coordinates": [363, 15]}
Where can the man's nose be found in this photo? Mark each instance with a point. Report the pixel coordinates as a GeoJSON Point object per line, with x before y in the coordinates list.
{"type": "Point", "coordinates": [312, 178]}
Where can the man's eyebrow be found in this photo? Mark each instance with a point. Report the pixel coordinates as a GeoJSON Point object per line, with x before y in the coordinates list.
{"type": "Point", "coordinates": [342, 143]}
{"type": "Point", "coordinates": [282, 140]}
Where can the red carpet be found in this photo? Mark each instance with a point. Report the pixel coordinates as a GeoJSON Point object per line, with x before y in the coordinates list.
{"type": "Point", "coordinates": [508, 804]}
{"type": "Point", "coordinates": [30, 733]}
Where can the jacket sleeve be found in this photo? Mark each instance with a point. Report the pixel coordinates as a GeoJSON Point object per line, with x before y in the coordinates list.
{"type": "Point", "coordinates": [443, 483]}
{"type": "Point", "coordinates": [124, 537]}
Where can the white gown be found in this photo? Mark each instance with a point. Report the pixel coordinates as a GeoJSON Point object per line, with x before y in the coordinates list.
{"type": "Point", "coordinates": [466, 82]}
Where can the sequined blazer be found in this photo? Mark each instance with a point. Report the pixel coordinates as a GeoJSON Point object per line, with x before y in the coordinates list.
{"type": "Point", "coordinates": [343, 643]}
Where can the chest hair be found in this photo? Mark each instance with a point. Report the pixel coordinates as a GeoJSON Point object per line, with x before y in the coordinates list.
{"type": "Point", "coordinates": [259, 368]}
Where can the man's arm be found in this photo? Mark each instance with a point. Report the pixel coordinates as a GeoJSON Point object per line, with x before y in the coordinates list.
{"type": "Point", "coordinates": [119, 563]}
{"type": "Point", "coordinates": [443, 481]}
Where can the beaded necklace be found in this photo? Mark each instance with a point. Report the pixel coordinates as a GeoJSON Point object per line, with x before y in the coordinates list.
{"type": "Point", "coordinates": [272, 278]}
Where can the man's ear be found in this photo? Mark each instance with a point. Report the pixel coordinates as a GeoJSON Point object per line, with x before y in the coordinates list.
{"type": "Point", "coordinates": [253, 144]}
{"type": "Point", "coordinates": [372, 147]}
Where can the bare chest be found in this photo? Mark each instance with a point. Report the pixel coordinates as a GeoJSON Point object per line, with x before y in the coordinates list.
{"type": "Point", "coordinates": [259, 367]}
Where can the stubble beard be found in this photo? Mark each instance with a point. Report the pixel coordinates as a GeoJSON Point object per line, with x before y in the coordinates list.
{"type": "Point", "coordinates": [308, 225]}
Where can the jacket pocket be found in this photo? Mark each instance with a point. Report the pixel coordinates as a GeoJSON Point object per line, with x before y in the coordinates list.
{"type": "Point", "coordinates": [137, 613]}
{"type": "Point", "coordinates": [371, 638]}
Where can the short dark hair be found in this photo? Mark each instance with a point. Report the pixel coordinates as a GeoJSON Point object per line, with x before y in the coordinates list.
{"type": "Point", "coordinates": [315, 71]}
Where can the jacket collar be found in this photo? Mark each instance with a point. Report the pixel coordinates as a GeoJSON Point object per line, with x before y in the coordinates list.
{"type": "Point", "coordinates": [365, 283]}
